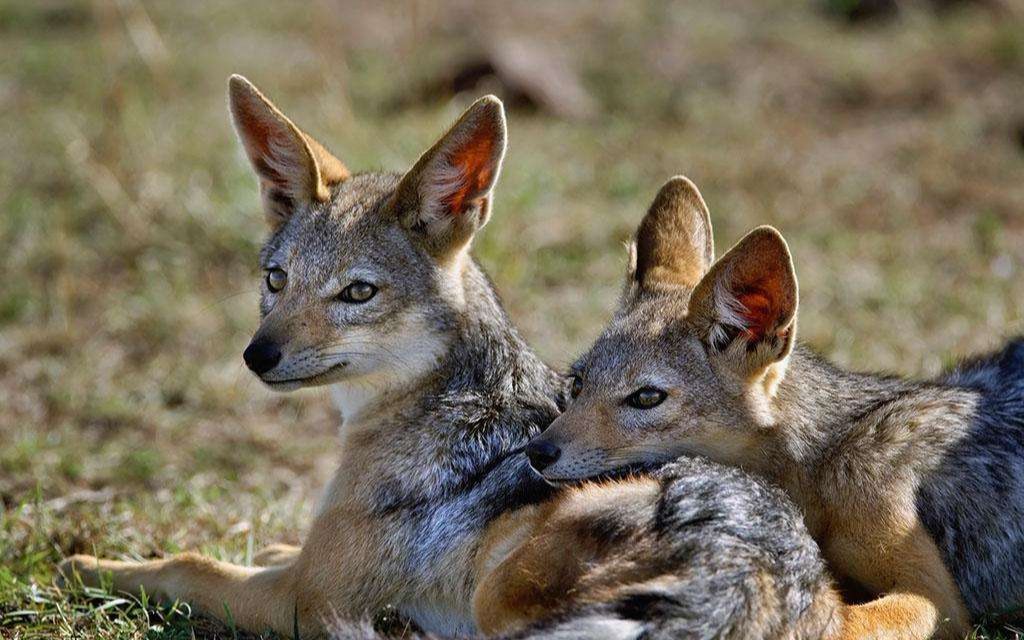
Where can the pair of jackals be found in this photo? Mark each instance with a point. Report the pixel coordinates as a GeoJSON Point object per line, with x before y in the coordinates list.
{"type": "Point", "coordinates": [914, 491]}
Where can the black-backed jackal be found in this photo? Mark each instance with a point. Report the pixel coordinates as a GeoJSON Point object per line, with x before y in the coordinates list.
{"type": "Point", "coordinates": [914, 490]}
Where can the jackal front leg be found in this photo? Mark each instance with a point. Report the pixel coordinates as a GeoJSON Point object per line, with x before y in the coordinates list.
{"type": "Point", "coordinates": [919, 596]}
{"type": "Point", "coordinates": [252, 598]}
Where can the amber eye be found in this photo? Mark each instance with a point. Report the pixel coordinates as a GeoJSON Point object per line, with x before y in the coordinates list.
{"type": "Point", "coordinates": [576, 387]}
{"type": "Point", "coordinates": [358, 292]}
{"type": "Point", "coordinates": [276, 279]}
{"type": "Point", "coordinates": [646, 398]}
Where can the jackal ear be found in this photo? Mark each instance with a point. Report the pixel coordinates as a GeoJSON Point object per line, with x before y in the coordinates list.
{"type": "Point", "coordinates": [292, 167]}
{"type": "Point", "coordinates": [673, 245]}
{"type": "Point", "coordinates": [745, 307]}
{"type": "Point", "coordinates": [446, 196]}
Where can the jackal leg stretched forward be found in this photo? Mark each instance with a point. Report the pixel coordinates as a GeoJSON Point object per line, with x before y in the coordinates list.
{"type": "Point", "coordinates": [318, 583]}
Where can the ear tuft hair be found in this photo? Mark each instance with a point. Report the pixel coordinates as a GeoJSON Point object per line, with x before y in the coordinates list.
{"type": "Point", "coordinates": [750, 294]}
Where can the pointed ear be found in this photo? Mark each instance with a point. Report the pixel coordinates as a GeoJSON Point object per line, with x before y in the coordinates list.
{"type": "Point", "coordinates": [674, 245]}
{"type": "Point", "coordinates": [292, 167]}
{"type": "Point", "coordinates": [446, 196]}
{"type": "Point", "coordinates": [745, 307]}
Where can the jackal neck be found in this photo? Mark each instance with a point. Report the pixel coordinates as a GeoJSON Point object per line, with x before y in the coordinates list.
{"type": "Point", "coordinates": [816, 407]}
{"type": "Point", "coordinates": [445, 432]}
{"type": "Point", "coordinates": [487, 352]}
{"type": "Point", "coordinates": [491, 368]}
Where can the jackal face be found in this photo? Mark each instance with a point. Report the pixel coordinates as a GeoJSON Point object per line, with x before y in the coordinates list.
{"type": "Point", "coordinates": [692, 358]}
{"type": "Point", "coordinates": [362, 273]}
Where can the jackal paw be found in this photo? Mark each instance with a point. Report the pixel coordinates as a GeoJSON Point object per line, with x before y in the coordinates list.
{"type": "Point", "coordinates": [79, 567]}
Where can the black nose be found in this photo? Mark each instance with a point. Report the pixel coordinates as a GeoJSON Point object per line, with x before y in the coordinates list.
{"type": "Point", "coordinates": [542, 454]}
{"type": "Point", "coordinates": [261, 356]}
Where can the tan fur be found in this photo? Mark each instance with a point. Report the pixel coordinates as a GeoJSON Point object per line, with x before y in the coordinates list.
{"type": "Point", "coordinates": [319, 580]}
{"type": "Point", "coordinates": [920, 596]}
{"type": "Point", "coordinates": [557, 565]}
{"type": "Point", "coordinates": [254, 597]}
{"type": "Point", "coordinates": [869, 529]}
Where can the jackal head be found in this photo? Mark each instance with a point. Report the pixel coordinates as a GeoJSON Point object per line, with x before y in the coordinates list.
{"type": "Point", "coordinates": [362, 272]}
{"type": "Point", "coordinates": [692, 358]}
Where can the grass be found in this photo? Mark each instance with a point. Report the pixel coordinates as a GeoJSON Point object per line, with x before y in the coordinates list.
{"type": "Point", "coordinates": [889, 154]}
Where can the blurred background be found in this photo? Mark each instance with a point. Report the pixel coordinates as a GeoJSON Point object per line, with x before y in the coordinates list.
{"type": "Point", "coordinates": [885, 139]}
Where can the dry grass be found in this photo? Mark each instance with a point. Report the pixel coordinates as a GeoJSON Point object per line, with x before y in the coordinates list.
{"type": "Point", "coordinates": [889, 154]}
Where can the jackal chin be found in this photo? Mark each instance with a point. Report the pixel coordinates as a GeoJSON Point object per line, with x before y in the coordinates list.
{"type": "Point", "coordinates": [614, 473]}
{"type": "Point", "coordinates": [614, 467]}
{"type": "Point", "coordinates": [331, 375]}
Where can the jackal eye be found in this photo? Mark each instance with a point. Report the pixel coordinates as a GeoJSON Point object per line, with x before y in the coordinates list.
{"type": "Point", "coordinates": [646, 398]}
{"type": "Point", "coordinates": [576, 386]}
{"type": "Point", "coordinates": [357, 292]}
{"type": "Point", "coordinates": [276, 279]}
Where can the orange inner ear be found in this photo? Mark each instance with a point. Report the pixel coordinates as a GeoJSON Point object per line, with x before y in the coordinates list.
{"type": "Point", "coordinates": [761, 306]}
{"type": "Point", "coordinates": [473, 162]}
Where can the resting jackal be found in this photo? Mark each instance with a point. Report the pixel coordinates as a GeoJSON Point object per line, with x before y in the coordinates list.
{"type": "Point", "coordinates": [914, 490]}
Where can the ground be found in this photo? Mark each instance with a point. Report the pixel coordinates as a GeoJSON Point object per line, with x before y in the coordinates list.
{"type": "Point", "coordinates": [889, 152]}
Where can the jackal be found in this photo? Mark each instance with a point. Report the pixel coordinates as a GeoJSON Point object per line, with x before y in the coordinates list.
{"type": "Point", "coordinates": [914, 490]}
{"type": "Point", "coordinates": [369, 287]}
